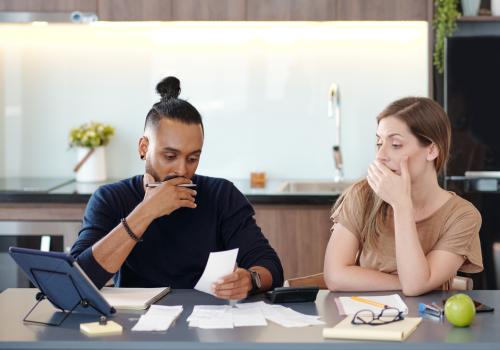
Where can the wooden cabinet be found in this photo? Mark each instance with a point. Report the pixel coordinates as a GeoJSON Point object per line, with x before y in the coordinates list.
{"type": "Point", "coordinates": [42, 211]}
{"type": "Point", "coordinates": [208, 10]}
{"type": "Point", "coordinates": [291, 10]}
{"type": "Point", "coordinates": [384, 10]}
{"type": "Point", "coordinates": [234, 10]}
{"type": "Point", "coordinates": [49, 5]}
{"type": "Point", "coordinates": [171, 10]}
{"type": "Point", "coordinates": [264, 10]}
{"type": "Point", "coordinates": [340, 10]}
{"type": "Point", "coordinates": [298, 233]}
{"type": "Point", "coordinates": [134, 10]}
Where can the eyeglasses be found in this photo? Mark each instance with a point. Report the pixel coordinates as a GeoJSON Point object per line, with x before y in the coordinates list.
{"type": "Point", "coordinates": [384, 317]}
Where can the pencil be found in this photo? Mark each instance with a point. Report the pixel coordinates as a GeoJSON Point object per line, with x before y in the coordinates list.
{"type": "Point", "coordinates": [370, 302]}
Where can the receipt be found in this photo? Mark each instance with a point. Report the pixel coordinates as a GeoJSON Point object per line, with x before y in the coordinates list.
{"type": "Point", "coordinates": [219, 264]}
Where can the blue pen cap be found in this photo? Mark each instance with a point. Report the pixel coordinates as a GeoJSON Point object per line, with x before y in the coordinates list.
{"type": "Point", "coordinates": [422, 307]}
{"type": "Point", "coordinates": [428, 310]}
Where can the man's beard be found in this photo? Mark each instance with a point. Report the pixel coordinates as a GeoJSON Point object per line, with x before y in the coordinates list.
{"type": "Point", "coordinates": [152, 172]}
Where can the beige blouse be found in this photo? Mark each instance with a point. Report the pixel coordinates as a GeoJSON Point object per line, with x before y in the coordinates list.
{"type": "Point", "coordinates": [454, 227]}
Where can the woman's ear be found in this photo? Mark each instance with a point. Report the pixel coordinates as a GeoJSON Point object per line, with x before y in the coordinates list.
{"type": "Point", "coordinates": [432, 152]}
{"type": "Point", "coordinates": [143, 147]}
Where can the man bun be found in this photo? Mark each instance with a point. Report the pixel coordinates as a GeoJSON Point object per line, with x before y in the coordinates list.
{"type": "Point", "coordinates": [169, 87]}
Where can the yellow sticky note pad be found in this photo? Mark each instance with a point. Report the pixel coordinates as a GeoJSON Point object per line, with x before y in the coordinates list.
{"type": "Point", "coordinates": [94, 328]}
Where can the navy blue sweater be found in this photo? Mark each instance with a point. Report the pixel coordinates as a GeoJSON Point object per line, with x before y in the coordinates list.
{"type": "Point", "coordinates": [175, 248]}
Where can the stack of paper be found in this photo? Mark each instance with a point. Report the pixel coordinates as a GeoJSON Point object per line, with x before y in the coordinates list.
{"type": "Point", "coordinates": [158, 318]}
{"type": "Point", "coordinates": [349, 305]}
{"type": "Point", "coordinates": [248, 314]}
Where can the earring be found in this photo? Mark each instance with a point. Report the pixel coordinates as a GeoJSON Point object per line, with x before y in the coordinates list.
{"type": "Point", "coordinates": [142, 156]}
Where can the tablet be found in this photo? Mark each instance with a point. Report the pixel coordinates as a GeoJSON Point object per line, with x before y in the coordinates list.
{"type": "Point", "coordinates": [61, 280]}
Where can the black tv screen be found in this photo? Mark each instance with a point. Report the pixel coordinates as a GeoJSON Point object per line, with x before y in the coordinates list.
{"type": "Point", "coordinates": [472, 100]}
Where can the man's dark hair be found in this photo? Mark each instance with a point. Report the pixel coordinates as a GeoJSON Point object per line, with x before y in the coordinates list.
{"type": "Point", "coordinates": [170, 106]}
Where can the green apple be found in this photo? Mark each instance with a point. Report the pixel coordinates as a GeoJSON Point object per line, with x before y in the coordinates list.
{"type": "Point", "coordinates": [459, 310]}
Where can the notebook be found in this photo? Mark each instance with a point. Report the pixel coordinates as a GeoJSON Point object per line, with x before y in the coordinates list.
{"type": "Point", "coordinates": [396, 331]}
{"type": "Point", "coordinates": [133, 298]}
{"type": "Point", "coordinates": [349, 306]}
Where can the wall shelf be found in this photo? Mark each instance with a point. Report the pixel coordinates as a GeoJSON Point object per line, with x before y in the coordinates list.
{"type": "Point", "coordinates": [479, 19]}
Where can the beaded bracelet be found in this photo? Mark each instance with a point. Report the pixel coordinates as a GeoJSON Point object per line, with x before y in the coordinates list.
{"type": "Point", "coordinates": [129, 231]}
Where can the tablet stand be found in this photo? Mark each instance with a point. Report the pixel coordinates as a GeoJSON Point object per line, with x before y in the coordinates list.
{"type": "Point", "coordinates": [43, 295]}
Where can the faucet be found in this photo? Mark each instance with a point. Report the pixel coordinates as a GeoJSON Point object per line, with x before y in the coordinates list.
{"type": "Point", "coordinates": [334, 112]}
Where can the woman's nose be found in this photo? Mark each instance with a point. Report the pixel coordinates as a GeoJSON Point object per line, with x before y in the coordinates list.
{"type": "Point", "coordinates": [381, 154]}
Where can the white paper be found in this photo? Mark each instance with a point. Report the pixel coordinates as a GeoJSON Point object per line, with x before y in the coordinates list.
{"type": "Point", "coordinates": [351, 306]}
{"type": "Point", "coordinates": [248, 317]}
{"type": "Point", "coordinates": [287, 317]}
{"type": "Point", "coordinates": [259, 304]}
{"type": "Point", "coordinates": [158, 318]}
{"type": "Point", "coordinates": [211, 317]}
{"type": "Point", "coordinates": [219, 264]}
{"type": "Point", "coordinates": [248, 314]}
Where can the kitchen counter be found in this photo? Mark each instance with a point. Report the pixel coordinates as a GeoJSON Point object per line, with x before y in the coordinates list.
{"type": "Point", "coordinates": [70, 191]}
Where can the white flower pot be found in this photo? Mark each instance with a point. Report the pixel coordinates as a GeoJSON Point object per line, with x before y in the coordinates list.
{"type": "Point", "coordinates": [470, 7]}
{"type": "Point", "coordinates": [495, 7]}
{"type": "Point", "coordinates": [94, 168]}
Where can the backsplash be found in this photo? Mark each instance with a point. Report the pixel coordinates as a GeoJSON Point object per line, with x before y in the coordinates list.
{"type": "Point", "coordinates": [262, 89]}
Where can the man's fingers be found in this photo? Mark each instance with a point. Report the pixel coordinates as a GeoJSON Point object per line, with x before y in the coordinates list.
{"type": "Point", "coordinates": [186, 192]}
{"type": "Point", "coordinates": [238, 293]}
{"type": "Point", "coordinates": [179, 180]}
{"type": "Point", "coordinates": [186, 203]}
{"type": "Point", "coordinates": [230, 285]}
{"type": "Point", "coordinates": [148, 179]}
{"type": "Point", "coordinates": [225, 286]}
{"type": "Point", "coordinates": [232, 277]}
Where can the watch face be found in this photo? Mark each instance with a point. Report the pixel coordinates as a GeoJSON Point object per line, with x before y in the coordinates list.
{"type": "Point", "coordinates": [256, 279]}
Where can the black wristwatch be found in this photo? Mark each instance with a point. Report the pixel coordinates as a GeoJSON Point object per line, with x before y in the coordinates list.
{"type": "Point", "coordinates": [256, 282]}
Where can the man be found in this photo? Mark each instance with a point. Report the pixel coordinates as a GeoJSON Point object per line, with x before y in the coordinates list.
{"type": "Point", "coordinates": [162, 236]}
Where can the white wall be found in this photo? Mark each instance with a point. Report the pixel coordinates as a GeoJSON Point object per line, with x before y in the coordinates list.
{"type": "Point", "coordinates": [261, 88]}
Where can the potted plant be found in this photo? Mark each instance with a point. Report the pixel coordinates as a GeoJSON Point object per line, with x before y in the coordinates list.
{"type": "Point", "coordinates": [89, 139]}
{"type": "Point", "coordinates": [445, 18]}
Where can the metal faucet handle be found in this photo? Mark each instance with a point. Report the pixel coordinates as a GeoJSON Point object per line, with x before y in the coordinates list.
{"type": "Point", "coordinates": [337, 156]}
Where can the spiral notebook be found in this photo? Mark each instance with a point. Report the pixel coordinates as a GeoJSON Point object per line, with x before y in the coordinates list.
{"type": "Point", "coordinates": [396, 331]}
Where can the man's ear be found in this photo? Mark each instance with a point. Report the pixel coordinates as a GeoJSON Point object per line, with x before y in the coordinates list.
{"type": "Point", "coordinates": [432, 152]}
{"type": "Point", "coordinates": [143, 147]}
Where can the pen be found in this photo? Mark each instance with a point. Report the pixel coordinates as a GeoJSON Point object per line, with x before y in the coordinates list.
{"type": "Point", "coordinates": [430, 310]}
{"type": "Point", "coordinates": [156, 184]}
{"type": "Point", "coordinates": [370, 302]}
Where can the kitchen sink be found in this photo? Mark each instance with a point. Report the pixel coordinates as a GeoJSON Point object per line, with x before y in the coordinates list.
{"type": "Point", "coordinates": [323, 187]}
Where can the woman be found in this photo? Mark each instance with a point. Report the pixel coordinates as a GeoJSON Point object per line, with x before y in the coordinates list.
{"type": "Point", "coordinates": [398, 229]}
